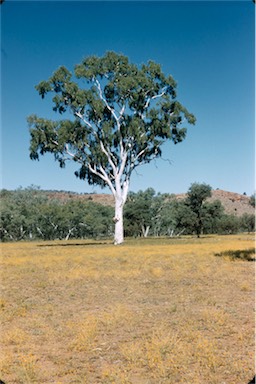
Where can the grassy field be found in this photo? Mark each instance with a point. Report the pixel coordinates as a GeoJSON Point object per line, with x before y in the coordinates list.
{"type": "Point", "coordinates": [147, 312]}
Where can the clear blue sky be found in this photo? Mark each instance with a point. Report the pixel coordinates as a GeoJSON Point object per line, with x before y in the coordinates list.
{"type": "Point", "coordinates": [208, 47]}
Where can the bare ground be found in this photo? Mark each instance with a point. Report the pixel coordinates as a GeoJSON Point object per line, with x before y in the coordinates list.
{"type": "Point", "coordinates": [147, 312]}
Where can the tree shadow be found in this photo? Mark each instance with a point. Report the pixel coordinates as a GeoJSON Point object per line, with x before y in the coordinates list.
{"type": "Point", "coordinates": [244, 254]}
{"type": "Point", "coordinates": [74, 245]}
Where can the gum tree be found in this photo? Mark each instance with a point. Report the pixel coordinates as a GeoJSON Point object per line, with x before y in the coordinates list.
{"type": "Point", "coordinates": [118, 117]}
{"type": "Point", "coordinates": [196, 200]}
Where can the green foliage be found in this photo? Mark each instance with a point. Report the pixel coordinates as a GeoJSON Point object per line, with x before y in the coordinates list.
{"type": "Point", "coordinates": [165, 215]}
{"type": "Point", "coordinates": [211, 214]}
{"type": "Point", "coordinates": [247, 223]}
{"type": "Point", "coordinates": [228, 224]}
{"type": "Point", "coordinates": [28, 214]}
{"type": "Point", "coordinates": [141, 212]}
{"type": "Point", "coordinates": [176, 218]}
{"type": "Point", "coordinates": [197, 194]}
{"type": "Point", "coordinates": [196, 197]}
{"type": "Point", "coordinates": [252, 200]}
{"type": "Point", "coordinates": [119, 115]}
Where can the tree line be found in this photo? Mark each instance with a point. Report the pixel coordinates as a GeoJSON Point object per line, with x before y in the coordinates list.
{"type": "Point", "coordinates": [147, 213]}
{"type": "Point", "coordinates": [31, 214]}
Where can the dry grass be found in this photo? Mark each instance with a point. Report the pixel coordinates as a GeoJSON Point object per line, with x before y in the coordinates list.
{"type": "Point", "coordinates": [147, 312]}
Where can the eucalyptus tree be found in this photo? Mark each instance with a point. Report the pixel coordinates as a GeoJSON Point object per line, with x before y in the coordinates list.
{"type": "Point", "coordinates": [118, 116]}
{"type": "Point", "coordinates": [20, 213]}
{"type": "Point", "coordinates": [196, 198]}
{"type": "Point", "coordinates": [139, 212]}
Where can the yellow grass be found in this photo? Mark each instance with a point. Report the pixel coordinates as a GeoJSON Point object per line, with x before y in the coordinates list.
{"type": "Point", "coordinates": [147, 312]}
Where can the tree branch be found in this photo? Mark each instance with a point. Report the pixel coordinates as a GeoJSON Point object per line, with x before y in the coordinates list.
{"type": "Point", "coordinates": [68, 151]}
{"type": "Point", "coordinates": [117, 119]}
{"type": "Point", "coordinates": [105, 101]}
{"type": "Point", "coordinates": [154, 97]}
{"type": "Point", "coordinates": [78, 114]}
{"type": "Point", "coordinates": [103, 175]}
{"type": "Point", "coordinates": [108, 154]}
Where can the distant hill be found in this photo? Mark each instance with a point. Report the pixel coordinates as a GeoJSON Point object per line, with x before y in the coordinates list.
{"type": "Point", "coordinates": [100, 198]}
{"type": "Point", "coordinates": [234, 203]}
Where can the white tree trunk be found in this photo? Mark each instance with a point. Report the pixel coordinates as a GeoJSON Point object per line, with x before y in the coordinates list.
{"type": "Point", "coordinates": [69, 233]}
{"type": "Point", "coordinates": [120, 199]}
{"type": "Point", "coordinates": [119, 222]}
{"type": "Point", "coordinates": [145, 230]}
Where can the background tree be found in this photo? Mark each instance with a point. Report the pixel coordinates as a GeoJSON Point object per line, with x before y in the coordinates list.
{"type": "Point", "coordinates": [142, 211]}
{"type": "Point", "coordinates": [20, 213]}
{"type": "Point", "coordinates": [28, 214]}
{"type": "Point", "coordinates": [212, 212]}
{"type": "Point", "coordinates": [185, 219]}
{"type": "Point", "coordinates": [119, 115]}
{"type": "Point", "coordinates": [252, 200]}
{"type": "Point", "coordinates": [229, 224]}
{"type": "Point", "coordinates": [174, 218]}
{"type": "Point", "coordinates": [196, 197]}
{"type": "Point", "coordinates": [247, 223]}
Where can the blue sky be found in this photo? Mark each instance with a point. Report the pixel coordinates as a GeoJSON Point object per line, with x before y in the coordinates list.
{"type": "Point", "coordinates": [208, 47]}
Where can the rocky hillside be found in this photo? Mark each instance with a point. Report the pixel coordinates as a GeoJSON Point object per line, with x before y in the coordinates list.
{"type": "Point", "coordinates": [101, 198]}
{"type": "Point", "coordinates": [234, 203]}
